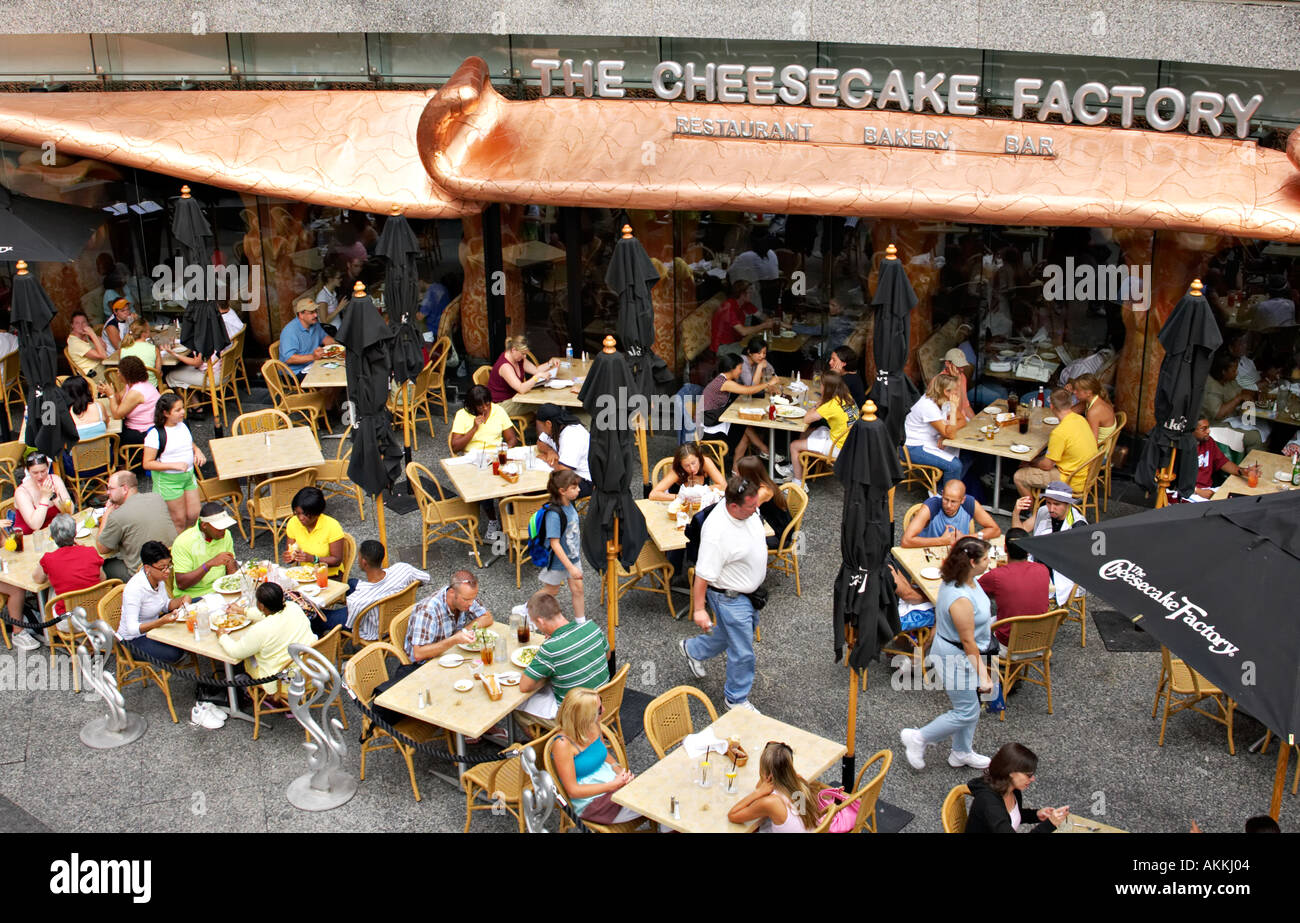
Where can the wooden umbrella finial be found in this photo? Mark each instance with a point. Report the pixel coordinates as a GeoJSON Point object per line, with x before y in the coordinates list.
{"type": "Point", "coordinates": [1197, 288]}
{"type": "Point", "coordinates": [891, 252]}
{"type": "Point", "coordinates": [627, 231]}
{"type": "Point", "coordinates": [22, 267]}
{"type": "Point", "coordinates": [869, 410]}
{"type": "Point", "coordinates": [608, 343]}
{"type": "Point", "coordinates": [397, 210]}
{"type": "Point", "coordinates": [185, 191]}
{"type": "Point", "coordinates": [359, 290]}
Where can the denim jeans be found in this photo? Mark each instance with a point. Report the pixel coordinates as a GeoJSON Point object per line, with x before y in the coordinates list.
{"type": "Point", "coordinates": [961, 683]}
{"type": "Point", "coordinates": [156, 649]}
{"type": "Point", "coordinates": [734, 634]}
{"type": "Point", "coordinates": [952, 469]}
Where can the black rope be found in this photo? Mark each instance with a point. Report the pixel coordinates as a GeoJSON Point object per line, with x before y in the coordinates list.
{"type": "Point", "coordinates": [425, 748]}
{"type": "Point", "coordinates": [30, 626]}
{"type": "Point", "coordinates": [238, 682]}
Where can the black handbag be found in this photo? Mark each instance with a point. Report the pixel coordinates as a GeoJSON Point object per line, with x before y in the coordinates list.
{"type": "Point", "coordinates": [758, 598]}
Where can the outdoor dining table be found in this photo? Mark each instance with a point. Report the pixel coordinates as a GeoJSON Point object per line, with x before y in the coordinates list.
{"type": "Point", "coordinates": [562, 397]}
{"type": "Point", "coordinates": [271, 452]}
{"type": "Point", "coordinates": [915, 560]}
{"type": "Point", "coordinates": [1271, 464]}
{"type": "Point", "coordinates": [970, 438]}
{"type": "Point", "coordinates": [1076, 824]}
{"type": "Point", "coordinates": [466, 714]}
{"type": "Point", "coordinates": [793, 424]}
{"type": "Point", "coordinates": [326, 373]}
{"type": "Point", "coordinates": [21, 564]}
{"type": "Point", "coordinates": [704, 810]}
{"type": "Point", "coordinates": [178, 635]}
{"type": "Point", "coordinates": [168, 357]}
{"type": "Point", "coordinates": [474, 483]}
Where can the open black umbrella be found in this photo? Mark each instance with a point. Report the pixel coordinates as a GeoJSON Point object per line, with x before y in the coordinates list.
{"type": "Point", "coordinates": [865, 601]}
{"type": "Point", "coordinates": [614, 527]}
{"type": "Point", "coordinates": [399, 247]}
{"type": "Point", "coordinates": [203, 331]}
{"type": "Point", "coordinates": [1190, 336]}
{"type": "Point", "coordinates": [631, 276]}
{"type": "Point", "coordinates": [1213, 582]}
{"type": "Point", "coordinates": [376, 461]}
{"type": "Point", "coordinates": [50, 426]}
{"type": "Point", "coordinates": [893, 392]}
{"type": "Point", "coordinates": [43, 232]}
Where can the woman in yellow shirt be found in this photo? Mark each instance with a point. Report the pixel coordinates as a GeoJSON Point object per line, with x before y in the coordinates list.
{"type": "Point", "coordinates": [838, 411]}
{"type": "Point", "coordinates": [314, 538]}
{"type": "Point", "coordinates": [264, 647]}
{"type": "Point", "coordinates": [481, 424]}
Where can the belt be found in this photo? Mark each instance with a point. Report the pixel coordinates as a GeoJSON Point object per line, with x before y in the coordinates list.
{"type": "Point", "coordinates": [730, 594]}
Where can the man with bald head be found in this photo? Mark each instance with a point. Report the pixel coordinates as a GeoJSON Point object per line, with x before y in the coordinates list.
{"type": "Point", "coordinates": [943, 519]}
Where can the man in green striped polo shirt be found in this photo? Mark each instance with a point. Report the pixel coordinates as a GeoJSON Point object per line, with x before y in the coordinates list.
{"type": "Point", "coordinates": [572, 657]}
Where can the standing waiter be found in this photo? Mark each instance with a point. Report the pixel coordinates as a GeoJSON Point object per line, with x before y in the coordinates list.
{"type": "Point", "coordinates": [730, 572]}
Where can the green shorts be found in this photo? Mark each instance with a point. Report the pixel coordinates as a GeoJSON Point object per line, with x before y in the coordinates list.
{"type": "Point", "coordinates": [171, 485]}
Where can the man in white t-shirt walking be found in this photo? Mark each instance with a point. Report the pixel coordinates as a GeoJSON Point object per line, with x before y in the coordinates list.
{"type": "Point", "coordinates": [732, 565]}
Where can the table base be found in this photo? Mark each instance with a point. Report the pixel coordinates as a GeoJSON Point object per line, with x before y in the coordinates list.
{"type": "Point", "coordinates": [98, 736]}
{"type": "Point", "coordinates": [305, 798]}
{"type": "Point", "coordinates": [232, 709]}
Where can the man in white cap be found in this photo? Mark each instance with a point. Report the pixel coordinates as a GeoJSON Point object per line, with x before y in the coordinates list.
{"type": "Point", "coordinates": [205, 552]}
{"type": "Point", "coordinates": [956, 364]}
{"type": "Point", "coordinates": [1056, 514]}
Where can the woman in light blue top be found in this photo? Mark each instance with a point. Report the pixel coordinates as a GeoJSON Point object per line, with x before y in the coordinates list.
{"type": "Point", "coordinates": [961, 637]}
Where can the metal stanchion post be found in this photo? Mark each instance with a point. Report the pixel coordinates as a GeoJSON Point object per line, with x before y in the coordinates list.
{"type": "Point", "coordinates": [119, 727]}
{"type": "Point", "coordinates": [326, 785]}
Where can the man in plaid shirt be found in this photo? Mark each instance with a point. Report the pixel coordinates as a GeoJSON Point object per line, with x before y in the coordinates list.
{"type": "Point", "coordinates": [446, 619]}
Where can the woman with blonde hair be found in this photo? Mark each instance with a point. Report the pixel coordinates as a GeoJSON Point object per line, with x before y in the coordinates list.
{"type": "Point", "coordinates": [1098, 411]}
{"type": "Point", "coordinates": [937, 415]}
{"type": "Point", "coordinates": [136, 343]}
{"type": "Point", "coordinates": [588, 773]}
{"type": "Point", "coordinates": [514, 373]}
{"type": "Point", "coordinates": [783, 799]}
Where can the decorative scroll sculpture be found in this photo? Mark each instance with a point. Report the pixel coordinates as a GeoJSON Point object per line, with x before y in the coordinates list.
{"type": "Point", "coordinates": [538, 801]}
{"type": "Point", "coordinates": [326, 786]}
{"type": "Point", "coordinates": [119, 727]}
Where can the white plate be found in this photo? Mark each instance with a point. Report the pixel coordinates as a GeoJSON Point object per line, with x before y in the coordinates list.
{"type": "Point", "coordinates": [509, 679]}
{"type": "Point", "coordinates": [790, 413]}
{"type": "Point", "coordinates": [1019, 449]}
{"type": "Point", "coordinates": [463, 685]}
{"type": "Point", "coordinates": [991, 410]}
{"type": "Point", "coordinates": [514, 658]}
{"type": "Point", "coordinates": [930, 573]}
{"type": "Point", "coordinates": [780, 399]}
{"type": "Point", "coordinates": [1051, 421]}
{"type": "Point", "coordinates": [798, 386]}
{"type": "Point", "coordinates": [559, 383]}
{"type": "Point", "coordinates": [83, 532]}
{"type": "Point", "coordinates": [787, 334]}
{"type": "Point", "coordinates": [1282, 476]}
{"type": "Point", "coordinates": [450, 660]}
{"type": "Point", "coordinates": [1005, 417]}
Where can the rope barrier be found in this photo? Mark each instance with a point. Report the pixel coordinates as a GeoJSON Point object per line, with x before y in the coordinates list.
{"type": "Point", "coordinates": [425, 748]}
{"type": "Point", "coordinates": [30, 626]}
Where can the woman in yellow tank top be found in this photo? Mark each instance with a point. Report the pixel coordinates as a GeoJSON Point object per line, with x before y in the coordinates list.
{"type": "Point", "coordinates": [1097, 410]}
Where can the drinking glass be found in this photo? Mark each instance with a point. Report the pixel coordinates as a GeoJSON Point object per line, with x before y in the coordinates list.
{"type": "Point", "coordinates": [731, 781]}
{"type": "Point", "coordinates": [703, 778]}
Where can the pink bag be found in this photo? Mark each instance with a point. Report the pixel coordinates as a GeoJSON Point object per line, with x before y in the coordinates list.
{"type": "Point", "coordinates": [843, 822]}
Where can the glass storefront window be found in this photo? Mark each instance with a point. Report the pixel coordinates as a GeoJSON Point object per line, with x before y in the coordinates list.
{"type": "Point", "coordinates": [1280, 89]}
{"type": "Point", "coordinates": [151, 57]}
{"type": "Point", "coordinates": [425, 57]}
{"type": "Point", "coordinates": [302, 55]}
{"type": "Point", "coordinates": [61, 57]}
{"type": "Point", "coordinates": [639, 54]}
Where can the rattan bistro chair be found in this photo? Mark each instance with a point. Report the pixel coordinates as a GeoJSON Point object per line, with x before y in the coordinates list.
{"type": "Point", "coordinates": [441, 516]}
{"type": "Point", "coordinates": [611, 699]}
{"type": "Point", "coordinates": [436, 395]}
{"type": "Point", "coordinates": [397, 628]}
{"type": "Point", "coordinates": [785, 556]}
{"type": "Point", "coordinates": [127, 669]}
{"type": "Point", "coordinates": [332, 477]}
{"type": "Point", "coordinates": [271, 503]}
{"type": "Point", "coordinates": [864, 796]}
{"type": "Point", "coordinates": [611, 741]}
{"type": "Point", "coordinates": [362, 673]}
{"type": "Point", "coordinates": [260, 421]}
{"type": "Point", "coordinates": [926, 477]}
{"type": "Point", "coordinates": [266, 703]}
{"type": "Point", "coordinates": [92, 463]}
{"type": "Point", "coordinates": [408, 414]}
{"type": "Point", "coordinates": [651, 563]}
{"type": "Point", "coordinates": [668, 718]}
{"type": "Point", "coordinates": [228, 493]}
{"type": "Point", "coordinates": [1030, 647]}
{"type": "Point", "coordinates": [11, 459]}
{"type": "Point", "coordinates": [1191, 688]}
{"type": "Point", "coordinates": [502, 782]}
{"type": "Point", "coordinates": [953, 812]}
{"type": "Point", "coordinates": [1121, 421]}
{"type": "Point", "coordinates": [289, 397]}
{"type": "Point", "coordinates": [386, 609]}
{"type": "Point", "coordinates": [88, 598]}
{"type": "Point", "coordinates": [516, 512]}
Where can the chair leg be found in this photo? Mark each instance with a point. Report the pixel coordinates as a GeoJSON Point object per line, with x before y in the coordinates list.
{"type": "Point", "coordinates": [1164, 721]}
{"type": "Point", "coordinates": [343, 716]}
{"type": "Point", "coordinates": [1083, 621]}
{"type": "Point", "coordinates": [798, 591]}
{"type": "Point", "coordinates": [1047, 681]}
{"type": "Point", "coordinates": [361, 505]}
{"type": "Point", "coordinates": [469, 803]}
{"type": "Point", "coordinates": [1229, 709]}
{"type": "Point", "coordinates": [410, 768]}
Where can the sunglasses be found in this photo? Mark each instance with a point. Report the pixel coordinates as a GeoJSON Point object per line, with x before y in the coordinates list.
{"type": "Point", "coordinates": [36, 458]}
{"type": "Point", "coordinates": [162, 567]}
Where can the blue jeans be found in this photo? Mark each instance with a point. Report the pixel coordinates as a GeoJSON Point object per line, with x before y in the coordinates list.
{"type": "Point", "coordinates": [734, 634]}
{"type": "Point", "coordinates": [954, 468]}
{"type": "Point", "coordinates": [156, 649]}
{"type": "Point", "coordinates": [962, 685]}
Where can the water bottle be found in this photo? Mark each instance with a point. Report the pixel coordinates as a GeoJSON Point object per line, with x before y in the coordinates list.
{"type": "Point", "coordinates": [568, 350]}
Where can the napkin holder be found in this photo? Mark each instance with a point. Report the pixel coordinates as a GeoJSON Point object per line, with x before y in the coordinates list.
{"type": "Point", "coordinates": [491, 684]}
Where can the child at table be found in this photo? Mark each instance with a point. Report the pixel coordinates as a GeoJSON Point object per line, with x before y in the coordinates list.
{"type": "Point", "coordinates": [783, 799]}
{"type": "Point", "coordinates": [560, 526]}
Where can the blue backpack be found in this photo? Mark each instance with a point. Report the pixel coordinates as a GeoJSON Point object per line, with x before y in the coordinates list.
{"type": "Point", "coordinates": [539, 546]}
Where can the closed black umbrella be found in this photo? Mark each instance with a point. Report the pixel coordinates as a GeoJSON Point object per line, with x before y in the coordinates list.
{"type": "Point", "coordinates": [1190, 336]}
{"type": "Point", "coordinates": [203, 331]}
{"type": "Point", "coordinates": [893, 392]}
{"type": "Point", "coordinates": [1214, 582]}
{"type": "Point", "coordinates": [43, 232]}
{"type": "Point", "coordinates": [631, 276]}
{"type": "Point", "coordinates": [399, 247]}
{"type": "Point", "coordinates": [865, 601]}
{"type": "Point", "coordinates": [614, 527]}
{"type": "Point", "coordinates": [376, 461]}
{"type": "Point", "coordinates": [50, 426]}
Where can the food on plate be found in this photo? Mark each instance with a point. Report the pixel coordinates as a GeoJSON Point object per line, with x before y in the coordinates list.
{"type": "Point", "coordinates": [335, 351]}
{"type": "Point", "coordinates": [303, 573]}
{"type": "Point", "coordinates": [230, 583]}
{"type": "Point", "coordinates": [524, 656]}
{"type": "Point", "coordinates": [483, 637]}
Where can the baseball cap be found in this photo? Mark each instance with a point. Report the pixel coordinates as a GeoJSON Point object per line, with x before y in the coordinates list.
{"type": "Point", "coordinates": [956, 357]}
{"type": "Point", "coordinates": [220, 520]}
{"type": "Point", "coordinates": [1060, 491]}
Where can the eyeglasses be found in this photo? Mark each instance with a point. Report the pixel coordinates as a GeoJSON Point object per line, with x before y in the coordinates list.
{"type": "Point", "coordinates": [36, 458]}
{"type": "Point", "coordinates": [162, 567]}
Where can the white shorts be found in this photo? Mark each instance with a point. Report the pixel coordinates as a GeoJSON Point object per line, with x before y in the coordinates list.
{"type": "Point", "coordinates": [820, 442]}
{"type": "Point", "coordinates": [541, 704]}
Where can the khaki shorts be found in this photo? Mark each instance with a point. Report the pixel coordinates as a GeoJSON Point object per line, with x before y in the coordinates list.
{"type": "Point", "coordinates": [1036, 478]}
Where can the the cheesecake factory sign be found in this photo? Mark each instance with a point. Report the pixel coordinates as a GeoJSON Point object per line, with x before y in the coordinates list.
{"type": "Point", "coordinates": [1163, 108]}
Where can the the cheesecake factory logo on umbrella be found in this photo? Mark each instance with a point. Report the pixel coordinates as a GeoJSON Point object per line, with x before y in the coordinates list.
{"type": "Point", "coordinates": [1178, 606]}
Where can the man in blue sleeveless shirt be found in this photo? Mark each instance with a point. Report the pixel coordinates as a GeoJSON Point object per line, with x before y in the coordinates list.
{"type": "Point", "coordinates": [944, 519]}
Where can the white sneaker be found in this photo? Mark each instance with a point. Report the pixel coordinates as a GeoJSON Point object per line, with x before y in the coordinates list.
{"type": "Point", "coordinates": [783, 470]}
{"type": "Point", "coordinates": [697, 666]}
{"type": "Point", "coordinates": [25, 640]}
{"type": "Point", "coordinates": [914, 747]}
{"type": "Point", "coordinates": [743, 706]}
{"type": "Point", "coordinates": [972, 759]}
{"type": "Point", "coordinates": [199, 718]}
{"type": "Point", "coordinates": [214, 712]}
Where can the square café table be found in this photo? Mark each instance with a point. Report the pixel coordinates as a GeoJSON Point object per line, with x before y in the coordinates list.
{"type": "Point", "coordinates": [971, 439]}
{"type": "Point", "coordinates": [561, 397]}
{"type": "Point", "coordinates": [915, 560]}
{"type": "Point", "coordinates": [473, 485]}
{"type": "Point", "coordinates": [326, 373]}
{"type": "Point", "coordinates": [811, 399]}
{"type": "Point", "coordinates": [1270, 464]}
{"type": "Point", "coordinates": [177, 634]}
{"type": "Point", "coordinates": [704, 810]}
{"type": "Point", "coordinates": [272, 452]}
{"type": "Point", "coordinates": [465, 714]}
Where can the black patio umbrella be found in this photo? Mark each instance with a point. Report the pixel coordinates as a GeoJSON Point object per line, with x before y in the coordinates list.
{"type": "Point", "coordinates": [865, 601]}
{"type": "Point", "coordinates": [399, 247]}
{"type": "Point", "coordinates": [1213, 582]}
{"type": "Point", "coordinates": [203, 331]}
{"type": "Point", "coordinates": [36, 230]}
{"type": "Point", "coordinates": [1190, 336]}
{"type": "Point", "coordinates": [893, 392]}
{"type": "Point", "coordinates": [50, 426]}
{"type": "Point", "coordinates": [613, 527]}
{"type": "Point", "coordinates": [376, 461]}
{"type": "Point", "coordinates": [631, 276]}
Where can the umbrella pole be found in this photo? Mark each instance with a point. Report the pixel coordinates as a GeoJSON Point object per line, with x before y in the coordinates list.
{"type": "Point", "coordinates": [1165, 477]}
{"type": "Point", "coordinates": [217, 428]}
{"type": "Point", "coordinates": [611, 591]}
{"type": "Point", "coordinates": [383, 532]}
{"type": "Point", "coordinates": [849, 762]}
{"type": "Point", "coordinates": [1279, 778]}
